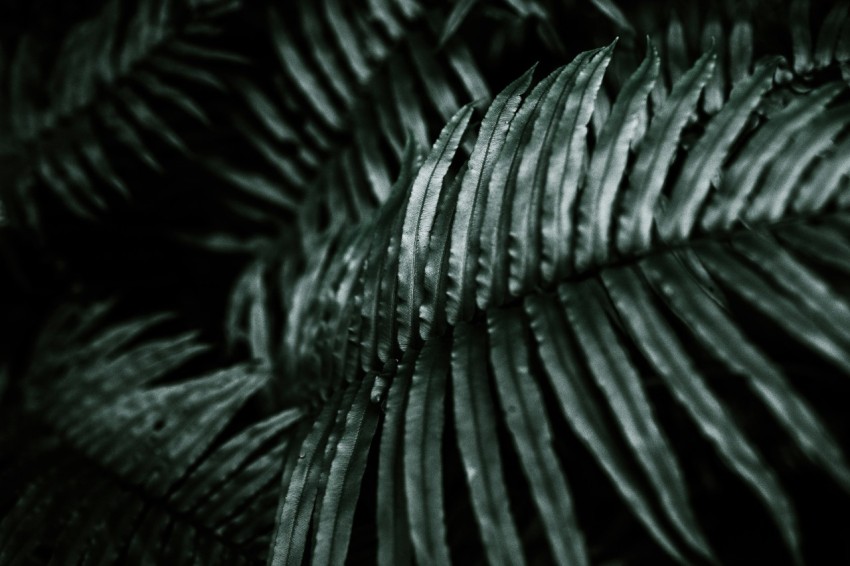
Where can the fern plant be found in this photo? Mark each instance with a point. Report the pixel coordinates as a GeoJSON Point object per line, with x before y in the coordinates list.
{"type": "Point", "coordinates": [602, 318]}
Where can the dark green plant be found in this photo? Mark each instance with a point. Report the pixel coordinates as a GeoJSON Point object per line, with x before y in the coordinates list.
{"type": "Point", "coordinates": [603, 319]}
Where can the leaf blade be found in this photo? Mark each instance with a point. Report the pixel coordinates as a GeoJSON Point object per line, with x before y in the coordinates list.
{"type": "Point", "coordinates": [521, 401]}
{"type": "Point", "coordinates": [620, 382]}
{"type": "Point", "coordinates": [419, 220]}
{"type": "Point", "coordinates": [423, 429]}
{"type": "Point", "coordinates": [478, 445]}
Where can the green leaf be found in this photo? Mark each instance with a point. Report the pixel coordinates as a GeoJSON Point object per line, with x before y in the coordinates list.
{"type": "Point", "coordinates": [432, 313]}
{"type": "Point", "coordinates": [658, 342]}
{"type": "Point", "coordinates": [820, 333]}
{"type": "Point", "coordinates": [830, 178]}
{"type": "Point", "coordinates": [524, 245]}
{"type": "Point", "coordinates": [720, 336]}
{"type": "Point", "coordinates": [584, 413]}
{"type": "Point", "coordinates": [207, 403]}
{"type": "Point", "coordinates": [141, 464]}
{"type": "Point", "coordinates": [459, 12]}
{"type": "Point", "coordinates": [492, 276]}
{"type": "Point", "coordinates": [784, 176]}
{"type": "Point", "coordinates": [442, 99]}
{"type": "Point", "coordinates": [740, 50]}
{"type": "Point", "coordinates": [419, 221]}
{"type": "Point", "coordinates": [609, 162]}
{"type": "Point", "coordinates": [479, 446]}
{"type": "Point", "coordinates": [379, 260]}
{"type": "Point", "coordinates": [55, 180]}
{"type": "Point", "coordinates": [714, 39]}
{"type": "Point", "coordinates": [336, 511]}
{"type": "Point", "coordinates": [761, 151]}
{"type": "Point", "coordinates": [706, 158]}
{"type": "Point", "coordinates": [521, 402]}
{"type": "Point", "coordinates": [621, 384]}
{"type": "Point", "coordinates": [388, 302]}
{"type": "Point", "coordinates": [658, 151]}
{"type": "Point", "coordinates": [217, 476]}
{"type": "Point", "coordinates": [610, 9]}
{"type": "Point", "coordinates": [801, 35]}
{"type": "Point", "coordinates": [466, 227]}
{"type": "Point", "coordinates": [423, 469]}
{"type": "Point", "coordinates": [298, 496]}
{"type": "Point", "coordinates": [566, 174]}
{"type": "Point", "coordinates": [829, 34]}
{"type": "Point", "coordinates": [322, 57]}
{"type": "Point", "coordinates": [825, 244]}
{"type": "Point", "coordinates": [826, 308]}
{"type": "Point", "coordinates": [301, 74]}
{"type": "Point", "coordinates": [393, 527]}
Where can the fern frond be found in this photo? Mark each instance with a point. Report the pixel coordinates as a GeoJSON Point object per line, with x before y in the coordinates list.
{"type": "Point", "coordinates": [132, 74]}
{"type": "Point", "coordinates": [808, 34]}
{"type": "Point", "coordinates": [120, 469]}
{"type": "Point", "coordinates": [599, 297]}
{"type": "Point", "coordinates": [620, 219]}
{"type": "Point", "coordinates": [353, 87]}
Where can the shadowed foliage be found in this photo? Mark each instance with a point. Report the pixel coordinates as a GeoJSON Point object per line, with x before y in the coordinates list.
{"type": "Point", "coordinates": [390, 281]}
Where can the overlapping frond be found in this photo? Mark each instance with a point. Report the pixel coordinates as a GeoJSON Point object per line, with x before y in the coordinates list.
{"type": "Point", "coordinates": [570, 297]}
{"type": "Point", "coordinates": [405, 87]}
{"type": "Point", "coordinates": [130, 74]}
{"type": "Point", "coordinates": [120, 466]}
{"type": "Point", "coordinates": [356, 79]}
{"type": "Point", "coordinates": [566, 262]}
{"type": "Point", "coordinates": [157, 76]}
{"type": "Point", "coordinates": [811, 35]}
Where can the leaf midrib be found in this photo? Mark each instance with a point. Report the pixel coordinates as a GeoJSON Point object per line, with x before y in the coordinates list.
{"type": "Point", "coordinates": [664, 248]}
{"type": "Point", "coordinates": [657, 249]}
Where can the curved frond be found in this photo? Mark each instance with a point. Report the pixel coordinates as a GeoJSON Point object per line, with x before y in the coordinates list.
{"type": "Point", "coordinates": [603, 318]}
{"type": "Point", "coordinates": [131, 73]}
{"type": "Point", "coordinates": [355, 82]}
{"type": "Point", "coordinates": [633, 259]}
{"type": "Point", "coordinates": [121, 467]}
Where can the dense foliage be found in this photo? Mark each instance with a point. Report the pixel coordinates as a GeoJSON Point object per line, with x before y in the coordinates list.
{"type": "Point", "coordinates": [396, 281]}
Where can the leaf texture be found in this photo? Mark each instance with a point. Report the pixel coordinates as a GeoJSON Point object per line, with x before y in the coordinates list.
{"type": "Point", "coordinates": [453, 349]}
{"type": "Point", "coordinates": [117, 475]}
{"type": "Point", "coordinates": [598, 305]}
